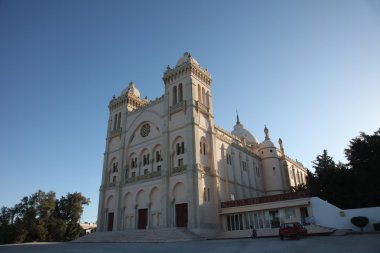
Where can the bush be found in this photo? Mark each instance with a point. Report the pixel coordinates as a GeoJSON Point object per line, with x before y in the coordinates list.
{"type": "Point", "coordinates": [376, 226]}
{"type": "Point", "coordinates": [360, 221]}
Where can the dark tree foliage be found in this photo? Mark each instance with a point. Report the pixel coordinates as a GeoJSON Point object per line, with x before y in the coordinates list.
{"type": "Point", "coordinates": [363, 155]}
{"type": "Point", "coordinates": [352, 185]}
{"type": "Point", "coordinates": [41, 217]}
{"type": "Point", "coordinates": [299, 188]}
{"type": "Point", "coordinates": [360, 222]}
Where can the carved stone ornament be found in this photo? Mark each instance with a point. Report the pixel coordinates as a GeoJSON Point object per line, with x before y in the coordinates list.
{"type": "Point", "coordinates": [145, 130]}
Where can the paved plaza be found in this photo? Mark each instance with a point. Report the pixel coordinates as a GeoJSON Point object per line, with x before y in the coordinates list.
{"type": "Point", "coordinates": [366, 243]}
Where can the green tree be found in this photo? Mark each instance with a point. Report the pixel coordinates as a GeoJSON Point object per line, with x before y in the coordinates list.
{"type": "Point", "coordinates": [70, 209]}
{"type": "Point", "coordinates": [299, 188]}
{"type": "Point", "coordinates": [360, 222]}
{"type": "Point", "coordinates": [41, 217]}
{"type": "Point", "coordinates": [363, 155]}
{"type": "Point", "coordinates": [332, 182]}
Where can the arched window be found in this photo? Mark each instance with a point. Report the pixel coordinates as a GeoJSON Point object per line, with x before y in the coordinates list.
{"type": "Point", "coordinates": [203, 96]}
{"type": "Point", "coordinates": [179, 150]}
{"type": "Point", "coordinates": [180, 93]}
{"type": "Point", "coordinates": [119, 121]}
{"type": "Point", "coordinates": [174, 95]}
{"type": "Point", "coordinates": [132, 161]}
{"type": "Point", "coordinates": [199, 94]}
{"type": "Point", "coordinates": [115, 122]}
{"type": "Point", "coordinates": [203, 146]}
{"type": "Point", "coordinates": [144, 157]}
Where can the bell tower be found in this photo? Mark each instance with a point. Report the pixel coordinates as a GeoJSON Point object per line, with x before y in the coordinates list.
{"type": "Point", "coordinates": [188, 83]}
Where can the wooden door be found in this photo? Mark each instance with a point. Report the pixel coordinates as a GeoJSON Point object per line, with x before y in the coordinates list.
{"type": "Point", "coordinates": [143, 218]}
{"type": "Point", "coordinates": [181, 215]}
{"type": "Point", "coordinates": [110, 222]}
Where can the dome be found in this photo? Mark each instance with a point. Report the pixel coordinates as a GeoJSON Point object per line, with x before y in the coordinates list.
{"type": "Point", "coordinates": [267, 144]}
{"type": "Point", "coordinates": [131, 89]}
{"type": "Point", "coordinates": [186, 58]}
{"type": "Point", "coordinates": [241, 132]}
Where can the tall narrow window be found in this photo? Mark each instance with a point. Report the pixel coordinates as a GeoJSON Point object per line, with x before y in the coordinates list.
{"type": "Point", "coordinates": [203, 96]}
{"type": "Point", "coordinates": [174, 95]}
{"type": "Point", "coordinates": [199, 94]}
{"type": "Point", "coordinates": [115, 122]}
{"type": "Point", "coordinates": [204, 148]}
{"type": "Point", "coordinates": [200, 148]}
{"type": "Point", "coordinates": [208, 194]}
{"type": "Point", "coordinates": [182, 148]}
{"type": "Point", "coordinates": [207, 99]}
{"type": "Point", "coordinates": [157, 156]}
{"type": "Point", "coordinates": [119, 121]}
{"type": "Point", "coordinates": [180, 93]}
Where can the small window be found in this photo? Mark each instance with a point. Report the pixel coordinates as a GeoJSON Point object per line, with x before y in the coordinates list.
{"type": "Point", "coordinates": [114, 167]}
{"type": "Point", "coordinates": [174, 95]}
{"type": "Point", "coordinates": [133, 174]}
{"type": "Point", "coordinates": [114, 179]}
{"type": "Point", "coordinates": [146, 171]}
{"type": "Point", "coordinates": [229, 159]}
{"type": "Point", "coordinates": [180, 93]}
{"type": "Point", "coordinates": [180, 162]}
{"type": "Point", "coordinates": [158, 156]}
{"type": "Point", "coordinates": [159, 168]}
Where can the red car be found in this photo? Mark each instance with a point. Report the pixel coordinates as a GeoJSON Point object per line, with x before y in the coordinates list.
{"type": "Point", "coordinates": [292, 229]}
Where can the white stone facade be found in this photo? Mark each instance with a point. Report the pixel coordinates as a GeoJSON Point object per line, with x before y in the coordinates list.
{"type": "Point", "coordinates": [167, 164]}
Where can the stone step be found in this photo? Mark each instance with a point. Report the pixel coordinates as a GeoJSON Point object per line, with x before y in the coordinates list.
{"type": "Point", "coordinates": [150, 235]}
{"type": "Point", "coordinates": [272, 232]}
{"type": "Point", "coordinates": [317, 229]}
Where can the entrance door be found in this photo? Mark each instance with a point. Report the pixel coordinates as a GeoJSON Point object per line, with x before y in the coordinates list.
{"type": "Point", "coordinates": [181, 215]}
{"type": "Point", "coordinates": [275, 221]}
{"type": "Point", "coordinates": [143, 218]}
{"type": "Point", "coordinates": [110, 222]}
{"type": "Point", "coordinates": [304, 215]}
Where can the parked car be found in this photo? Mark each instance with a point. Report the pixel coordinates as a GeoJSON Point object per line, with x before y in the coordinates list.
{"type": "Point", "coordinates": [292, 229]}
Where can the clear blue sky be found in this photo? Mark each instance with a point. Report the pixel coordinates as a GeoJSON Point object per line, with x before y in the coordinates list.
{"type": "Point", "coordinates": [309, 70]}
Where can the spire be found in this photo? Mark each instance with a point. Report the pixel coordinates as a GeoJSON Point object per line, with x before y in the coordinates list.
{"type": "Point", "coordinates": [266, 131]}
{"type": "Point", "coordinates": [281, 147]}
{"type": "Point", "coordinates": [237, 118]}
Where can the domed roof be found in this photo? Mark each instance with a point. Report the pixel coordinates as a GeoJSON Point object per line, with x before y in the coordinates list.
{"type": "Point", "coordinates": [241, 132]}
{"type": "Point", "coordinates": [131, 89]}
{"type": "Point", "coordinates": [267, 143]}
{"type": "Point", "coordinates": [186, 58]}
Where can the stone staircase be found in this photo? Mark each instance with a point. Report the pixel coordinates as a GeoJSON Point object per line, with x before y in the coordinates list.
{"type": "Point", "coordinates": [319, 230]}
{"type": "Point", "coordinates": [151, 235]}
{"type": "Point", "coordinates": [272, 232]}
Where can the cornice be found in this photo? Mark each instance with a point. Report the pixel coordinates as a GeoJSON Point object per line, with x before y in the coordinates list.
{"type": "Point", "coordinates": [173, 75]}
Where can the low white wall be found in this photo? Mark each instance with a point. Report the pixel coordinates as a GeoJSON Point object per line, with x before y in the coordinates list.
{"type": "Point", "coordinates": [328, 215]}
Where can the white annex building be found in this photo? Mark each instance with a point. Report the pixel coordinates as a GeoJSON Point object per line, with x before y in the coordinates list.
{"type": "Point", "coordinates": [166, 164]}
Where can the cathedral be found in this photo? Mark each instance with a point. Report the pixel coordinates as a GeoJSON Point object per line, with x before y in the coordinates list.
{"type": "Point", "coordinates": [166, 164]}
